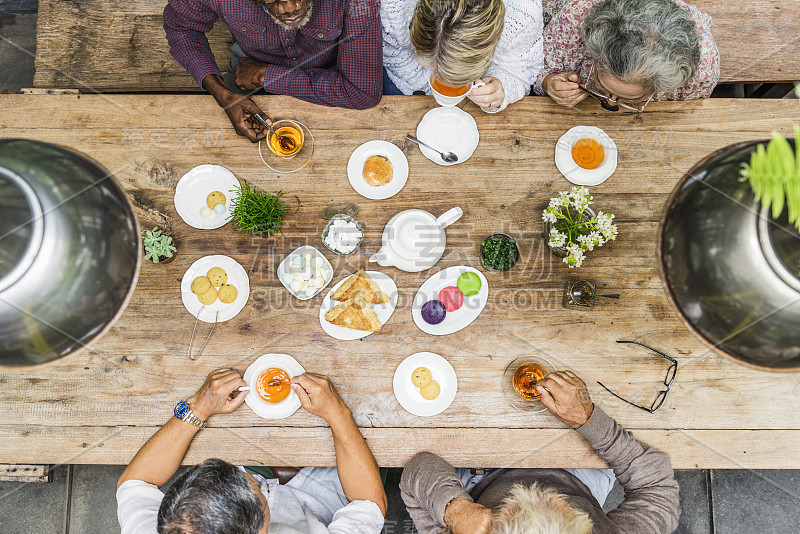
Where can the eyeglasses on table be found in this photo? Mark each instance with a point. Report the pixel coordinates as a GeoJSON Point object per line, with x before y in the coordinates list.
{"type": "Point", "coordinates": [662, 395]}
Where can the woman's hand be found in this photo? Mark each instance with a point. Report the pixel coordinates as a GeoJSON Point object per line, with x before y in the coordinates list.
{"type": "Point", "coordinates": [566, 396]}
{"type": "Point", "coordinates": [490, 96]}
{"type": "Point", "coordinates": [563, 88]}
{"type": "Point", "coordinates": [214, 396]}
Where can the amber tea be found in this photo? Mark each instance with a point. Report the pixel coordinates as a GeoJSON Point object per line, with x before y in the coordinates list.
{"type": "Point", "coordinates": [289, 140]}
{"type": "Point", "coordinates": [525, 379]}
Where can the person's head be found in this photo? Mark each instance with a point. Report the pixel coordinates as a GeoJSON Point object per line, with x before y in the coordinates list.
{"type": "Point", "coordinates": [456, 38]}
{"type": "Point", "coordinates": [291, 14]}
{"type": "Point", "coordinates": [534, 510]}
{"type": "Point", "coordinates": [640, 46]}
{"type": "Point", "coordinates": [213, 497]}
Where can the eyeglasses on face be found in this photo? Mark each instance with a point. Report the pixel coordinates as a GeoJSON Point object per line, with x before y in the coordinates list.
{"type": "Point", "coordinates": [606, 101]}
{"type": "Point", "coordinates": [668, 379]}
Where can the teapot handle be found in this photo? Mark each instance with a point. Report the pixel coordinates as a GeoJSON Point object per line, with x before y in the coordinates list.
{"type": "Point", "coordinates": [449, 217]}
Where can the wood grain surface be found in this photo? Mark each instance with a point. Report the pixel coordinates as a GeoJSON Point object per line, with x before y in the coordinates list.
{"type": "Point", "coordinates": [100, 405]}
{"type": "Point", "coordinates": [100, 45]}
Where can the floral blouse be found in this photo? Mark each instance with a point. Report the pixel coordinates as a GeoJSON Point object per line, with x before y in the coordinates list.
{"type": "Point", "coordinates": [564, 49]}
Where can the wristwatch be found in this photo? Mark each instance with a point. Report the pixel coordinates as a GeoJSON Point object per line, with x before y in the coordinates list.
{"type": "Point", "coordinates": [184, 413]}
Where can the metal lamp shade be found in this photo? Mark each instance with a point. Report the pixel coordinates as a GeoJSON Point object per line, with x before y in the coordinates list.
{"type": "Point", "coordinates": [69, 251]}
{"type": "Point", "coordinates": [732, 272]}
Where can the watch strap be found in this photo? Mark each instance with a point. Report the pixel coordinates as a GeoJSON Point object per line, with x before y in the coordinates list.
{"type": "Point", "coordinates": [196, 421]}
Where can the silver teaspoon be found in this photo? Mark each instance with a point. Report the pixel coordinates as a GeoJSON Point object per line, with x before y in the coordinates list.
{"type": "Point", "coordinates": [447, 157]}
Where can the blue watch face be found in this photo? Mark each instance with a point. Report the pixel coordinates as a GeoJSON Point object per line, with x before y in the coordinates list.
{"type": "Point", "coordinates": [181, 409]}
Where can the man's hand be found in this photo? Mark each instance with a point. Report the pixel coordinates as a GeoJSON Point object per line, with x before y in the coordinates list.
{"type": "Point", "coordinates": [566, 396]}
{"type": "Point", "coordinates": [319, 396]}
{"type": "Point", "coordinates": [250, 74]}
{"type": "Point", "coordinates": [240, 109]}
{"type": "Point", "coordinates": [214, 396]}
{"type": "Point", "coordinates": [489, 96]}
{"type": "Point", "coordinates": [562, 87]}
{"type": "Point", "coordinates": [466, 517]}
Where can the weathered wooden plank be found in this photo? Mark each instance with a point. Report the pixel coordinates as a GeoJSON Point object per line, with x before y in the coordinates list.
{"type": "Point", "coordinates": [26, 473]}
{"type": "Point", "coordinates": [528, 447]}
{"type": "Point", "coordinates": [98, 45]}
{"type": "Point", "coordinates": [131, 378]}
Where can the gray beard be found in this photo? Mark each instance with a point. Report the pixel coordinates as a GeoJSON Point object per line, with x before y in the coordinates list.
{"type": "Point", "coordinates": [300, 24]}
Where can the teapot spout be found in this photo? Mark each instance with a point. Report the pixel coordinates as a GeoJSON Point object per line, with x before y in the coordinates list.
{"type": "Point", "coordinates": [380, 258]}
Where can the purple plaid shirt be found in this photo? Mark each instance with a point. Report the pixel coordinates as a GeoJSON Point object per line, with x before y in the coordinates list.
{"type": "Point", "coordinates": [345, 33]}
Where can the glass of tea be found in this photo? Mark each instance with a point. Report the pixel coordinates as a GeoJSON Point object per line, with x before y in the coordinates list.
{"type": "Point", "coordinates": [289, 140]}
{"type": "Point", "coordinates": [449, 95]}
{"type": "Point", "coordinates": [520, 379]}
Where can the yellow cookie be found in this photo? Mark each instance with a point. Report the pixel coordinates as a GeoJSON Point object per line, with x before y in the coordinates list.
{"type": "Point", "coordinates": [217, 276]}
{"type": "Point", "coordinates": [421, 377]}
{"type": "Point", "coordinates": [214, 198]}
{"type": "Point", "coordinates": [227, 293]}
{"type": "Point", "coordinates": [208, 297]}
{"type": "Point", "coordinates": [431, 391]}
{"type": "Point", "coordinates": [200, 285]}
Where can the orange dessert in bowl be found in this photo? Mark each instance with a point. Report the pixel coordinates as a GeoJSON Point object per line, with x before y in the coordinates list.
{"type": "Point", "coordinates": [276, 392]}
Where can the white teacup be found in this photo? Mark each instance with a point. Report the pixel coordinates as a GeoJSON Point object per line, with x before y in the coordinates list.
{"type": "Point", "coordinates": [445, 100]}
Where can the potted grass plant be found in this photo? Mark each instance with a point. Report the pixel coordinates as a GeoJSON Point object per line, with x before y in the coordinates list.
{"type": "Point", "coordinates": [158, 246]}
{"type": "Point", "coordinates": [257, 212]}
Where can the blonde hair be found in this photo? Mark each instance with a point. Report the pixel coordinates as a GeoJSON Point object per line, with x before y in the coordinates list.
{"type": "Point", "coordinates": [456, 38]}
{"type": "Point", "coordinates": [534, 510]}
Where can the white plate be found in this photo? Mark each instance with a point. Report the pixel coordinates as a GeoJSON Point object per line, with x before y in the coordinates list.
{"type": "Point", "coordinates": [383, 311]}
{"type": "Point", "coordinates": [237, 277]}
{"type": "Point", "coordinates": [408, 394]}
{"type": "Point", "coordinates": [284, 266]}
{"type": "Point", "coordinates": [453, 321]}
{"type": "Point", "coordinates": [448, 129]}
{"type": "Point", "coordinates": [194, 187]}
{"type": "Point", "coordinates": [355, 168]}
{"type": "Point", "coordinates": [571, 170]}
{"type": "Point", "coordinates": [270, 410]}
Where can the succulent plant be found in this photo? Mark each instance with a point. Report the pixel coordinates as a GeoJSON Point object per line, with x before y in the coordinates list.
{"type": "Point", "coordinates": [157, 245]}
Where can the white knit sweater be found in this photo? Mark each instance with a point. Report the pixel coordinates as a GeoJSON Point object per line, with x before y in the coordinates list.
{"type": "Point", "coordinates": [517, 60]}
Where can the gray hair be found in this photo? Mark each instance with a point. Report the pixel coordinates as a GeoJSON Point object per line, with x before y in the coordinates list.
{"type": "Point", "coordinates": [536, 510]}
{"type": "Point", "coordinates": [213, 497]}
{"type": "Point", "coordinates": [651, 42]}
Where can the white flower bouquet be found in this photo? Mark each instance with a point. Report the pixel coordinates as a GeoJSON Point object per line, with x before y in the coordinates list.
{"type": "Point", "coordinates": [574, 227]}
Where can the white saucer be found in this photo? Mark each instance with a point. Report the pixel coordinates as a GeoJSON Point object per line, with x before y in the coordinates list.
{"type": "Point", "coordinates": [270, 410]}
{"type": "Point", "coordinates": [383, 311]}
{"type": "Point", "coordinates": [448, 129]}
{"type": "Point", "coordinates": [408, 394]}
{"type": "Point", "coordinates": [237, 277]}
{"type": "Point", "coordinates": [571, 170]}
{"type": "Point", "coordinates": [194, 187]}
{"type": "Point", "coordinates": [456, 320]}
{"type": "Point", "coordinates": [355, 167]}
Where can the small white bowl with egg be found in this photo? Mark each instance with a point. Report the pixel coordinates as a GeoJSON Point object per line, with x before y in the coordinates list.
{"type": "Point", "coordinates": [305, 272]}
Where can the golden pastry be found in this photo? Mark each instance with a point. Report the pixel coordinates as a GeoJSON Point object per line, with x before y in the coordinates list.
{"type": "Point", "coordinates": [208, 297]}
{"type": "Point", "coordinates": [360, 283]}
{"type": "Point", "coordinates": [217, 276]}
{"type": "Point", "coordinates": [377, 170]}
{"type": "Point", "coordinates": [200, 285]}
{"type": "Point", "coordinates": [354, 313]}
{"type": "Point", "coordinates": [421, 377]}
{"type": "Point", "coordinates": [227, 293]}
{"type": "Point", "coordinates": [214, 198]}
{"type": "Point", "coordinates": [431, 391]}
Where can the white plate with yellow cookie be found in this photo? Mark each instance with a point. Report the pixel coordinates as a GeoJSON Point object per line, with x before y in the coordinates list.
{"type": "Point", "coordinates": [203, 196]}
{"type": "Point", "coordinates": [215, 284]}
{"type": "Point", "coordinates": [425, 384]}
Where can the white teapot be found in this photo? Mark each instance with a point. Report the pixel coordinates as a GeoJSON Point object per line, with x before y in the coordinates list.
{"type": "Point", "coordinates": [414, 240]}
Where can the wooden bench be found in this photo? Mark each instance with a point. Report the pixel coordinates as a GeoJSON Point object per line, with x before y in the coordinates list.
{"type": "Point", "coordinates": [105, 46]}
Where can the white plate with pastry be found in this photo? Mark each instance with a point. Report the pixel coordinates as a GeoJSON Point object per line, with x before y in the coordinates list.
{"type": "Point", "coordinates": [264, 408]}
{"type": "Point", "coordinates": [215, 284]}
{"type": "Point", "coordinates": [425, 384]}
{"type": "Point", "coordinates": [366, 301]}
{"type": "Point", "coordinates": [377, 170]}
{"type": "Point", "coordinates": [203, 196]}
{"type": "Point", "coordinates": [450, 300]}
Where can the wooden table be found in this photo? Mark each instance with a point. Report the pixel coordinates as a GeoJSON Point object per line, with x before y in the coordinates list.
{"type": "Point", "coordinates": [101, 405]}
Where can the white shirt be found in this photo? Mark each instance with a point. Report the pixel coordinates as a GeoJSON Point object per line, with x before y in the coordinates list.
{"type": "Point", "coordinates": [313, 502]}
{"type": "Point", "coordinates": [518, 58]}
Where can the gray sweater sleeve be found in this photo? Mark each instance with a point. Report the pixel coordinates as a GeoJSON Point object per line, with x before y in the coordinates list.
{"type": "Point", "coordinates": [651, 492]}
